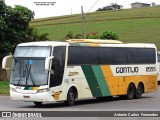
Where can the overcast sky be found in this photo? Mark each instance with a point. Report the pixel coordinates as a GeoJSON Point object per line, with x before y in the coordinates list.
{"type": "Point", "coordinates": [52, 8]}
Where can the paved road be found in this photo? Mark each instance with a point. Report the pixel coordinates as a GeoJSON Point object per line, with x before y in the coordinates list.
{"type": "Point", "coordinates": [149, 102]}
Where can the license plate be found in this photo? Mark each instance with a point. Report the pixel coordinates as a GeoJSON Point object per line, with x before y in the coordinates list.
{"type": "Point", "coordinates": [26, 96]}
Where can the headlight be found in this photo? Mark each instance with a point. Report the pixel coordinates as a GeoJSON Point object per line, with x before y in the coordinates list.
{"type": "Point", "coordinates": [13, 89]}
{"type": "Point", "coordinates": [43, 90]}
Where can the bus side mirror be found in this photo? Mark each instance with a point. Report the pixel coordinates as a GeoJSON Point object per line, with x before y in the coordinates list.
{"type": "Point", "coordinates": [6, 62]}
{"type": "Point", "coordinates": [47, 62]}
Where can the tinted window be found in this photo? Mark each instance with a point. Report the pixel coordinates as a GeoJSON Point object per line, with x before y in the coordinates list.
{"type": "Point", "coordinates": [58, 66]}
{"type": "Point", "coordinates": [59, 54]}
{"type": "Point", "coordinates": [105, 55]}
{"type": "Point", "coordinates": [110, 55]}
{"type": "Point", "coordinates": [82, 55]}
{"type": "Point", "coordinates": [131, 55]}
{"type": "Point", "coordinates": [151, 55]}
{"type": "Point", "coordinates": [120, 56]}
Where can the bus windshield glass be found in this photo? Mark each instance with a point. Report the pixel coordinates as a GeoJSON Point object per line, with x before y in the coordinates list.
{"type": "Point", "coordinates": [32, 51]}
{"type": "Point", "coordinates": [28, 66]}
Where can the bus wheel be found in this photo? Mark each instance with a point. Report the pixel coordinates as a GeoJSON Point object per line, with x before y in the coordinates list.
{"type": "Point", "coordinates": [71, 97]}
{"type": "Point", "coordinates": [38, 103]}
{"type": "Point", "coordinates": [139, 91]}
{"type": "Point", "coordinates": [130, 92]}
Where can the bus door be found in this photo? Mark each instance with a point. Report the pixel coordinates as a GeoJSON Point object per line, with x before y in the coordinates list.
{"type": "Point", "coordinates": [55, 78]}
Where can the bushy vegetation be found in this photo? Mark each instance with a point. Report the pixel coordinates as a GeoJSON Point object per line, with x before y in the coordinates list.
{"type": "Point", "coordinates": [4, 87]}
{"type": "Point", "coordinates": [93, 35]}
{"type": "Point", "coordinates": [103, 35]}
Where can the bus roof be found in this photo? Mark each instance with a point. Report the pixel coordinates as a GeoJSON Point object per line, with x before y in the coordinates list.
{"type": "Point", "coordinates": [44, 43]}
{"type": "Point", "coordinates": [95, 41]}
{"type": "Point", "coordinates": [88, 42]}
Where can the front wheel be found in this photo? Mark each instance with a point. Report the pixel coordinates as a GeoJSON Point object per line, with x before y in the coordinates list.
{"type": "Point", "coordinates": [71, 96]}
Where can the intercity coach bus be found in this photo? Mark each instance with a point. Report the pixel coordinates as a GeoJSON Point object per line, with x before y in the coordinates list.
{"type": "Point", "coordinates": [81, 68]}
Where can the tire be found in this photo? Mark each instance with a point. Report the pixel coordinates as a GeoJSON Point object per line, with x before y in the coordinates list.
{"type": "Point", "coordinates": [130, 92]}
{"type": "Point", "coordinates": [38, 103]}
{"type": "Point", "coordinates": [71, 96]}
{"type": "Point", "coordinates": [139, 91]}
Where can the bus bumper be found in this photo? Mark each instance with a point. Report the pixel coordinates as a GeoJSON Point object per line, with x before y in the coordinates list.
{"type": "Point", "coordinates": [38, 97]}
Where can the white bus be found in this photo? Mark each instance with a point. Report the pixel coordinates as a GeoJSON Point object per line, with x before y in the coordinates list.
{"type": "Point", "coordinates": [76, 69]}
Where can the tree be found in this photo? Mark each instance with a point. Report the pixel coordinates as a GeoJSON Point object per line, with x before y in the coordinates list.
{"type": "Point", "coordinates": [112, 6]}
{"type": "Point", "coordinates": [14, 27]}
{"type": "Point", "coordinates": [108, 35]}
{"type": "Point", "coordinates": [14, 23]}
{"type": "Point", "coordinates": [116, 6]}
{"type": "Point", "coordinates": [33, 35]}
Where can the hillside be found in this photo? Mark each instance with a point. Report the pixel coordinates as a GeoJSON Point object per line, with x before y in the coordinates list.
{"type": "Point", "coordinates": [132, 25]}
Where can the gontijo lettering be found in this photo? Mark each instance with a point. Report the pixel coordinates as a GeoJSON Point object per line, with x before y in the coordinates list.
{"type": "Point", "coordinates": [127, 70]}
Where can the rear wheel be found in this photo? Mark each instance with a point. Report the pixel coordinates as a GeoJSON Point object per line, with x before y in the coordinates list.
{"type": "Point", "coordinates": [38, 103]}
{"type": "Point", "coordinates": [71, 96]}
{"type": "Point", "coordinates": [139, 91]}
{"type": "Point", "coordinates": [130, 92]}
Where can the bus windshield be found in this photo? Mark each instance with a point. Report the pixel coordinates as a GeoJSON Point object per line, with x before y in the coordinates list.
{"type": "Point", "coordinates": [28, 66]}
{"type": "Point", "coordinates": [32, 51]}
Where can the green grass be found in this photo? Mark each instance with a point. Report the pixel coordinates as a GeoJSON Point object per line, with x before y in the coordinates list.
{"type": "Point", "coordinates": [4, 88]}
{"type": "Point", "coordinates": [132, 25]}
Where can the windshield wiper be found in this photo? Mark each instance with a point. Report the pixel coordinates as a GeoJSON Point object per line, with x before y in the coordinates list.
{"type": "Point", "coordinates": [23, 74]}
{"type": "Point", "coordinates": [29, 74]}
{"type": "Point", "coordinates": [26, 73]}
